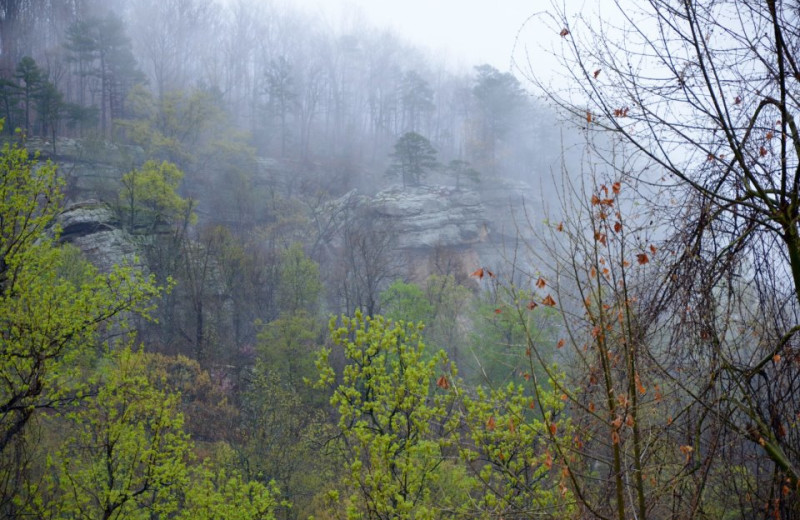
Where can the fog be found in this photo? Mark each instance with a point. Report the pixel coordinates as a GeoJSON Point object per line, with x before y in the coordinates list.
{"type": "Point", "coordinates": [372, 259]}
{"type": "Point", "coordinates": [461, 33]}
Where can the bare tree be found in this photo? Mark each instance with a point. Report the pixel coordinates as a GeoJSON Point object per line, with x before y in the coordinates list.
{"type": "Point", "coordinates": [703, 96]}
{"type": "Point", "coordinates": [365, 264]}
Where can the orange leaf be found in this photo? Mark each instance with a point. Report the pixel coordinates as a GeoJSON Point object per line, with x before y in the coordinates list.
{"type": "Point", "coordinates": [686, 450]}
{"type": "Point", "coordinates": [629, 421]}
{"type": "Point", "coordinates": [615, 437]}
{"type": "Point", "coordinates": [592, 272]}
{"type": "Point", "coordinates": [617, 227]}
{"type": "Point", "coordinates": [540, 283]}
{"type": "Point", "coordinates": [588, 117]}
{"type": "Point", "coordinates": [478, 273]}
{"type": "Point", "coordinates": [762, 151]}
{"type": "Point", "coordinates": [563, 32]}
{"type": "Point", "coordinates": [553, 428]}
{"type": "Point", "coordinates": [642, 258]}
{"type": "Point", "coordinates": [596, 73]}
{"type": "Point", "coordinates": [560, 343]}
{"type": "Point", "coordinates": [511, 426]}
{"type": "Point", "coordinates": [769, 135]}
{"type": "Point", "coordinates": [498, 311]}
{"type": "Point", "coordinates": [595, 200]}
{"type": "Point", "coordinates": [490, 424]}
{"type": "Point", "coordinates": [653, 249]}
{"type": "Point", "coordinates": [560, 227]}
{"type": "Point", "coordinates": [491, 274]}
{"type": "Point", "coordinates": [639, 385]}
{"type": "Point", "coordinates": [532, 305]}
{"type": "Point", "coordinates": [443, 383]}
{"type": "Point", "coordinates": [591, 407]}
{"type": "Point", "coordinates": [617, 422]}
{"type": "Point", "coordinates": [527, 376]}
{"type": "Point", "coordinates": [616, 187]}
{"type": "Point", "coordinates": [548, 461]}
{"type": "Point", "coordinates": [549, 301]}
{"type": "Point", "coordinates": [600, 237]}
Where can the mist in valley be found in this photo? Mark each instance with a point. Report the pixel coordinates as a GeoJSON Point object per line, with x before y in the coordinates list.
{"type": "Point", "coordinates": [306, 259]}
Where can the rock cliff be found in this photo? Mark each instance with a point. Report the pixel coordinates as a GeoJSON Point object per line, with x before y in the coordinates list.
{"type": "Point", "coordinates": [426, 217]}
{"type": "Point", "coordinates": [93, 227]}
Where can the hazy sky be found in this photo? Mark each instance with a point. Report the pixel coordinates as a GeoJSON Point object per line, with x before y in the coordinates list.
{"type": "Point", "coordinates": [467, 32]}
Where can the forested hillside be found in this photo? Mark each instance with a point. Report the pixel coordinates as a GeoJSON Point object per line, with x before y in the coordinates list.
{"type": "Point", "coordinates": [258, 265]}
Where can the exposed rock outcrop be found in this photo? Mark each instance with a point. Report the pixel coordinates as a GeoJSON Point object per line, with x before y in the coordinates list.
{"type": "Point", "coordinates": [425, 217]}
{"type": "Point", "coordinates": [93, 227]}
{"type": "Point", "coordinates": [420, 218]}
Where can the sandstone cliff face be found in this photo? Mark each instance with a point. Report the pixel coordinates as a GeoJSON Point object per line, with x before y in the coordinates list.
{"type": "Point", "coordinates": [93, 227]}
{"type": "Point", "coordinates": [426, 217]}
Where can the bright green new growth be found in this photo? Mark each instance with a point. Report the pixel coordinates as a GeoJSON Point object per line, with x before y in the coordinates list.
{"type": "Point", "coordinates": [126, 457]}
{"type": "Point", "coordinates": [510, 451]}
{"type": "Point", "coordinates": [397, 426]}
{"type": "Point", "coordinates": [47, 321]}
{"type": "Point", "coordinates": [149, 197]}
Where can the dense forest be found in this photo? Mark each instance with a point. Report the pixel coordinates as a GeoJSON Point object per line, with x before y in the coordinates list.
{"type": "Point", "coordinates": [256, 265]}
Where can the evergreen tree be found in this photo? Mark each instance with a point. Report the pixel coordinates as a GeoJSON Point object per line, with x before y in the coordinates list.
{"type": "Point", "coordinates": [414, 156]}
{"type": "Point", "coordinates": [103, 54]}
{"type": "Point", "coordinates": [30, 82]}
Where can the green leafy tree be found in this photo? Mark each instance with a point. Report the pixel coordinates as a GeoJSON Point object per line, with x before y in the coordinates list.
{"type": "Point", "coordinates": [173, 127]}
{"type": "Point", "coordinates": [404, 301]}
{"type": "Point", "coordinates": [510, 453]}
{"type": "Point", "coordinates": [47, 321]}
{"type": "Point", "coordinates": [441, 304]}
{"type": "Point", "coordinates": [149, 197]}
{"type": "Point", "coordinates": [287, 346]}
{"type": "Point", "coordinates": [127, 451]}
{"type": "Point", "coordinates": [397, 425]}
{"type": "Point", "coordinates": [285, 421]}
{"type": "Point", "coordinates": [299, 285]}
{"type": "Point", "coordinates": [53, 307]}
{"type": "Point", "coordinates": [220, 494]}
{"type": "Point", "coordinates": [414, 156]}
